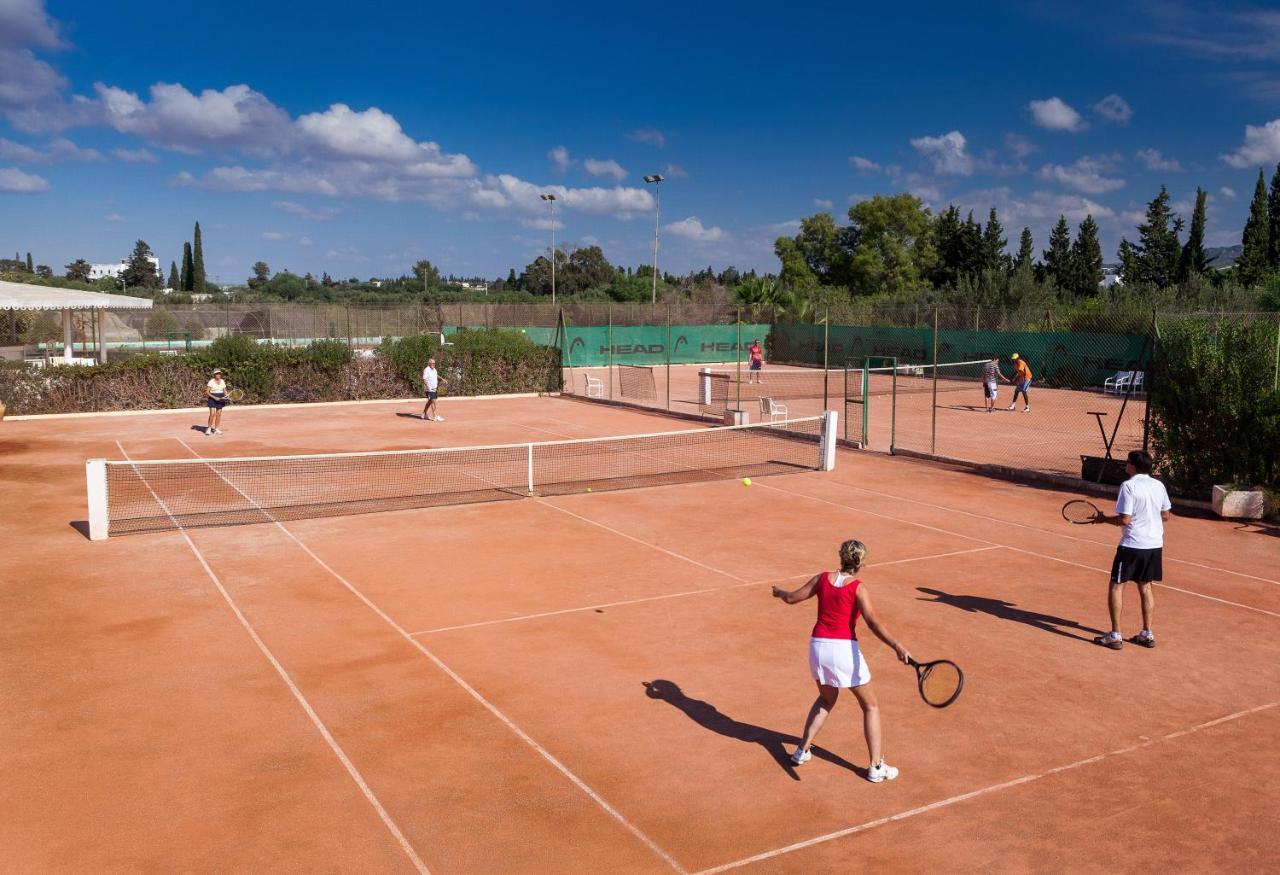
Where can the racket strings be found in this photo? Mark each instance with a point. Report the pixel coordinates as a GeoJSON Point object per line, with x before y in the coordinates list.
{"type": "Point", "coordinates": [940, 683]}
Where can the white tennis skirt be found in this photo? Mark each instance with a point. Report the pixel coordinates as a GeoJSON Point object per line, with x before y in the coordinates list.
{"type": "Point", "coordinates": [837, 662]}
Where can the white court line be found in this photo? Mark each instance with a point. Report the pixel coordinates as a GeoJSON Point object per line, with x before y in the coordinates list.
{"type": "Point", "coordinates": [912, 522]}
{"type": "Point", "coordinates": [1048, 531]}
{"type": "Point", "coordinates": [676, 595]}
{"type": "Point", "coordinates": [456, 678]}
{"type": "Point", "coordinates": [944, 803]}
{"type": "Point", "coordinates": [288, 681]}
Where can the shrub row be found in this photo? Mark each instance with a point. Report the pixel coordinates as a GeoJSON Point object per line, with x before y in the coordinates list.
{"type": "Point", "coordinates": [479, 363]}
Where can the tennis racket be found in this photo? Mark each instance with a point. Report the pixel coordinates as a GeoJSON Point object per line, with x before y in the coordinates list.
{"type": "Point", "coordinates": [940, 681]}
{"type": "Point", "coordinates": [235, 395]}
{"type": "Point", "coordinates": [1081, 512]}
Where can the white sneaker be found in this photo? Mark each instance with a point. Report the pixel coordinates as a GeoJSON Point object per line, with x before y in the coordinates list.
{"type": "Point", "coordinates": [1027, 409]}
{"type": "Point", "coordinates": [881, 772]}
{"type": "Point", "coordinates": [1012, 407]}
{"type": "Point", "coordinates": [217, 431]}
{"type": "Point", "coordinates": [800, 757]}
{"type": "Point", "coordinates": [439, 419]}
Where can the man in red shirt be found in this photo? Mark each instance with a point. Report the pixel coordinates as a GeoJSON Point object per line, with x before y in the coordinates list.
{"type": "Point", "coordinates": [756, 361]}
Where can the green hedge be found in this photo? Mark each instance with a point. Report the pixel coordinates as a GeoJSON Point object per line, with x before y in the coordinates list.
{"type": "Point", "coordinates": [478, 363]}
{"type": "Point", "coordinates": [1215, 412]}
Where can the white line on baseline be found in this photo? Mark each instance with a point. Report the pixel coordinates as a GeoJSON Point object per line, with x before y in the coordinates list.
{"type": "Point", "coordinates": [453, 675]}
{"type": "Point", "coordinates": [676, 595]}
{"type": "Point", "coordinates": [1048, 531]}
{"type": "Point", "coordinates": [1007, 546]}
{"type": "Point", "coordinates": [293, 688]}
{"type": "Point", "coordinates": [944, 803]}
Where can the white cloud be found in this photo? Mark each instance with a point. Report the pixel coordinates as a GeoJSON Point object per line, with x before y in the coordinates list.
{"type": "Point", "coordinates": [946, 153]}
{"type": "Point", "coordinates": [675, 171]}
{"type": "Point", "coordinates": [693, 229]}
{"type": "Point", "coordinates": [11, 151]}
{"type": "Point", "coordinates": [58, 149]}
{"type": "Point", "coordinates": [648, 135]}
{"type": "Point", "coordinates": [1114, 108]}
{"type": "Point", "coordinates": [1019, 145]}
{"type": "Point", "coordinates": [1261, 146]}
{"type": "Point", "coordinates": [542, 224]}
{"type": "Point", "coordinates": [864, 165]}
{"type": "Point", "coordinates": [274, 235]}
{"type": "Point", "coordinates": [27, 23]}
{"type": "Point", "coordinates": [371, 134]}
{"type": "Point", "coordinates": [930, 194]}
{"type": "Point", "coordinates": [823, 204]}
{"type": "Point", "coordinates": [1055, 115]}
{"type": "Point", "coordinates": [1227, 192]}
{"type": "Point", "coordinates": [1085, 175]}
{"type": "Point", "coordinates": [134, 156]}
{"type": "Point", "coordinates": [62, 149]}
{"type": "Point", "coordinates": [604, 168]}
{"type": "Point", "coordinates": [560, 159]}
{"type": "Point", "coordinates": [505, 190]}
{"type": "Point", "coordinates": [14, 180]}
{"type": "Point", "coordinates": [322, 214]}
{"type": "Point", "coordinates": [113, 217]}
{"type": "Point", "coordinates": [235, 117]}
{"type": "Point", "coordinates": [1152, 159]}
{"type": "Point", "coordinates": [304, 240]}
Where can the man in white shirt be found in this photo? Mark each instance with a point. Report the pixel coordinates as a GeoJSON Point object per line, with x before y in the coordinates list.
{"type": "Point", "coordinates": [1142, 508]}
{"type": "Point", "coordinates": [431, 385]}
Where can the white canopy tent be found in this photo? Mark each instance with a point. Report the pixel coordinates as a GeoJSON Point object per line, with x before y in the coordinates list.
{"type": "Point", "coordinates": [24, 296]}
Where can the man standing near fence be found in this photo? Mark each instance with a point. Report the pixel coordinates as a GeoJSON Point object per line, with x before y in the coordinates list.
{"type": "Point", "coordinates": [990, 381]}
{"type": "Point", "coordinates": [755, 361]}
{"type": "Point", "coordinates": [1142, 508]}
{"type": "Point", "coordinates": [431, 385]}
{"type": "Point", "coordinates": [1021, 382]}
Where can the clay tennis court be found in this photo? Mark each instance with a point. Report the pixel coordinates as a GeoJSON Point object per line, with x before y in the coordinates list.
{"type": "Point", "coordinates": [601, 681]}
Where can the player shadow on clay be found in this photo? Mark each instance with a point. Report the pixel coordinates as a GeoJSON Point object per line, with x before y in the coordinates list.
{"type": "Point", "coordinates": [707, 716]}
{"type": "Point", "coordinates": [1010, 611]}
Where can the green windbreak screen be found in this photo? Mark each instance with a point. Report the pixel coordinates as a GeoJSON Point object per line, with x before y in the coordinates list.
{"type": "Point", "coordinates": [646, 344]}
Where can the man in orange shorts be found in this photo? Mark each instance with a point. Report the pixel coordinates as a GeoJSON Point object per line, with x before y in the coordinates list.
{"type": "Point", "coordinates": [1021, 382]}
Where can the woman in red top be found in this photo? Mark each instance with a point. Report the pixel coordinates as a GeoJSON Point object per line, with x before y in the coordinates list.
{"type": "Point", "coordinates": [834, 657]}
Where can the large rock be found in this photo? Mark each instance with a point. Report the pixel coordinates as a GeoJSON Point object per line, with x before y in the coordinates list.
{"type": "Point", "coordinates": [1238, 504]}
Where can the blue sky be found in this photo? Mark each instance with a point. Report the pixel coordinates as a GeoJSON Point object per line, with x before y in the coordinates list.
{"type": "Point", "coordinates": [357, 139]}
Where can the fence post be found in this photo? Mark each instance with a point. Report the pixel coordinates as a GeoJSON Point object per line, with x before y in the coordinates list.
{"type": "Point", "coordinates": [933, 425]}
{"type": "Point", "coordinates": [609, 340]}
{"type": "Point", "coordinates": [826, 355]}
{"type": "Point", "coordinates": [668, 354]}
{"type": "Point", "coordinates": [348, 310]}
{"type": "Point", "coordinates": [737, 358]}
{"type": "Point", "coordinates": [1275, 376]}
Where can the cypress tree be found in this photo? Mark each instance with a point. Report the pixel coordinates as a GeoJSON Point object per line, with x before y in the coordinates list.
{"type": "Point", "coordinates": [173, 277]}
{"type": "Point", "coordinates": [1193, 260]}
{"type": "Point", "coordinates": [1273, 221]}
{"type": "Point", "coordinates": [949, 245]}
{"type": "Point", "coordinates": [993, 243]}
{"type": "Point", "coordinates": [186, 267]}
{"type": "Point", "coordinates": [971, 244]}
{"type": "Point", "coordinates": [1154, 258]}
{"type": "Point", "coordinates": [31, 267]}
{"type": "Point", "coordinates": [1251, 267]}
{"type": "Point", "coordinates": [1057, 258]}
{"type": "Point", "coordinates": [197, 265]}
{"type": "Point", "coordinates": [1086, 260]}
{"type": "Point", "coordinates": [1026, 250]}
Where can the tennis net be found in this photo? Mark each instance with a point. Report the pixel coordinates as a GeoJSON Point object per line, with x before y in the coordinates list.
{"type": "Point", "coordinates": [636, 382]}
{"type": "Point", "coordinates": [912, 379]}
{"type": "Point", "coordinates": [146, 496]}
{"type": "Point", "coordinates": [720, 390]}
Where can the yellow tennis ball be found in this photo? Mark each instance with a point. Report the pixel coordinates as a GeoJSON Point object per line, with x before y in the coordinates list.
{"type": "Point", "coordinates": [746, 481]}
{"type": "Point", "coordinates": [588, 488]}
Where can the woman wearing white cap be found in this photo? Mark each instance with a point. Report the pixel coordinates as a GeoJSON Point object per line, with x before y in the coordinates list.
{"type": "Point", "coordinates": [215, 396]}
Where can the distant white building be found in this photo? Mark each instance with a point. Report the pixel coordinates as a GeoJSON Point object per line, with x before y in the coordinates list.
{"type": "Point", "coordinates": [475, 287]}
{"type": "Point", "coordinates": [101, 271]}
{"type": "Point", "coordinates": [1111, 276]}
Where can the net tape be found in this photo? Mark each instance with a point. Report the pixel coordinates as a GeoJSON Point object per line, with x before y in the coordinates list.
{"type": "Point", "coordinates": [721, 389]}
{"type": "Point", "coordinates": [144, 496]}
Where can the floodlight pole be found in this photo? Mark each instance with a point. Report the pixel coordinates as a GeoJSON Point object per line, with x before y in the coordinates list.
{"type": "Point", "coordinates": [656, 180]}
{"type": "Point", "coordinates": [551, 199]}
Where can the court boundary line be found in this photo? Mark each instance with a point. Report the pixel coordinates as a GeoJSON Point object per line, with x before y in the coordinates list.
{"type": "Point", "coordinates": [1015, 549]}
{"type": "Point", "coordinates": [549, 757]}
{"type": "Point", "coordinates": [675, 595]}
{"type": "Point", "coordinates": [963, 797]}
{"type": "Point", "coordinates": [319, 724]}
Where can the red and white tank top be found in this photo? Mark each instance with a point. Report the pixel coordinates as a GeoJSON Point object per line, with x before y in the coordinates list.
{"type": "Point", "coordinates": [837, 607]}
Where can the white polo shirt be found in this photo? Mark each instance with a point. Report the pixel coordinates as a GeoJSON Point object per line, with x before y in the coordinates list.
{"type": "Point", "coordinates": [430, 378]}
{"type": "Point", "coordinates": [1142, 498]}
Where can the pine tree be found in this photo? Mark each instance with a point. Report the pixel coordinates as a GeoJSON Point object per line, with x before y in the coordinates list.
{"type": "Point", "coordinates": [1057, 258]}
{"type": "Point", "coordinates": [1273, 221]}
{"type": "Point", "coordinates": [140, 272]}
{"type": "Point", "coordinates": [971, 242]}
{"type": "Point", "coordinates": [1086, 260]}
{"type": "Point", "coordinates": [187, 267]}
{"type": "Point", "coordinates": [1026, 251]}
{"type": "Point", "coordinates": [1154, 258]}
{"type": "Point", "coordinates": [993, 244]}
{"type": "Point", "coordinates": [1251, 266]}
{"type": "Point", "coordinates": [197, 265]}
{"type": "Point", "coordinates": [31, 267]}
{"type": "Point", "coordinates": [949, 244]}
{"type": "Point", "coordinates": [173, 277]}
{"type": "Point", "coordinates": [1193, 260]}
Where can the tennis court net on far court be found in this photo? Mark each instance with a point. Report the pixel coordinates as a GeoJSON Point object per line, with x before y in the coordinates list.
{"type": "Point", "coordinates": [145, 496]}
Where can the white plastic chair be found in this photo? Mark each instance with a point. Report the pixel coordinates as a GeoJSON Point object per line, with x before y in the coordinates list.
{"type": "Point", "coordinates": [1118, 384]}
{"type": "Point", "coordinates": [1137, 382]}
{"type": "Point", "coordinates": [772, 409]}
{"type": "Point", "coordinates": [595, 387]}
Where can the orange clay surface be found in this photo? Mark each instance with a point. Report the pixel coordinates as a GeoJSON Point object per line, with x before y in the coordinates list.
{"type": "Point", "coordinates": [1051, 437]}
{"type": "Point", "coordinates": [601, 682]}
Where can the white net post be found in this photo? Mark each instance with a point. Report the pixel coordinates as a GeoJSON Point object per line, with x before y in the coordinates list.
{"type": "Point", "coordinates": [96, 481]}
{"type": "Point", "coordinates": [704, 386]}
{"type": "Point", "coordinates": [828, 444]}
{"type": "Point", "coordinates": [530, 458]}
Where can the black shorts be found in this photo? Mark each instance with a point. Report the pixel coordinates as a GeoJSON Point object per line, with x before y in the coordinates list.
{"type": "Point", "coordinates": [431, 394]}
{"type": "Point", "coordinates": [755, 366]}
{"type": "Point", "coordinates": [1140, 566]}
